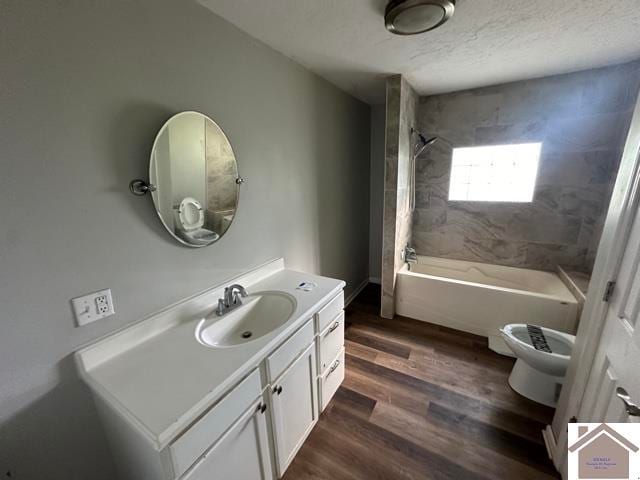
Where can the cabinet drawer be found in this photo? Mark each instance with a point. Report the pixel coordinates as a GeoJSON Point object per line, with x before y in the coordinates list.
{"type": "Point", "coordinates": [330, 342]}
{"type": "Point", "coordinates": [329, 311]}
{"type": "Point", "coordinates": [279, 360]}
{"type": "Point", "coordinates": [204, 433]}
{"type": "Point", "coordinates": [331, 380]}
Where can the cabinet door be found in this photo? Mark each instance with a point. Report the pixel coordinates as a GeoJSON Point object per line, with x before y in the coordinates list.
{"type": "Point", "coordinates": [241, 454]}
{"type": "Point", "coordinates": [295, 409]}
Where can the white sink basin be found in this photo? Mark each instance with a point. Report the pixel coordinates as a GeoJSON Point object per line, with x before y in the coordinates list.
{"type": "Point", "coordinates": [260, 314]}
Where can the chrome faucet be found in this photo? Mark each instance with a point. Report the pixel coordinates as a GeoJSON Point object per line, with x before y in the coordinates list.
{"type": "Point", "coordinates": [410, 255]}
{"type": "Point", "coordinates": [233, 296]}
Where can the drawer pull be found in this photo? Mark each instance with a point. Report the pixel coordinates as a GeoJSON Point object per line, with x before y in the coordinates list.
{"type": "Point", "coordinates": [333, 367]}
{"type": "Point", "coordinates": [277, 390]}
{"type": "Point", "coordinates": [262, 407]}
{"type": "Point", "coordinates": [334, 326]}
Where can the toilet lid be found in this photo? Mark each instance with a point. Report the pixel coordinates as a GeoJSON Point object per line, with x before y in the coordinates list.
{"type": "Point", "coordinates": [191, 214]}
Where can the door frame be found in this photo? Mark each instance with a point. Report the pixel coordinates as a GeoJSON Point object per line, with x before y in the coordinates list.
{"type": "Point", "coordinates": [625, 197]}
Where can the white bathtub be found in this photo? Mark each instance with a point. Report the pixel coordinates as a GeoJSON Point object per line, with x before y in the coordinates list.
{"type": "Point", "coordinates": [481, 298]}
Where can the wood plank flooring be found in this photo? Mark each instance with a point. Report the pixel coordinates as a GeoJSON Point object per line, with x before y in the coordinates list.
{"type": "Point", "coordinates": [422, 402]}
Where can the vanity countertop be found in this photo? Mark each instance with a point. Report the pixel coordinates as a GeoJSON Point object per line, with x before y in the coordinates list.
{"type": "Point", "coordinates": [161, 378]}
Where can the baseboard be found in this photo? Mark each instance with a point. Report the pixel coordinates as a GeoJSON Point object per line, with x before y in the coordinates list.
{"type": "Point", "coordinates": [355, 293]}
{"type": "Point", "coordinates": [376, 280]}
{"type": "Point", "coordinates": [549, 441]}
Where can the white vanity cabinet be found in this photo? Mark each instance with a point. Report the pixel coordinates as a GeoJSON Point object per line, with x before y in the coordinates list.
{"type": "Point", "coordinates": [241, 453]}
{"type": "Point", "coordinates": [205, 413]}
{"type": "Point", "coordinates": [236, 424]}
{"type": "Point", "coordinates": [303, 374]}
{"type": "Point", "coordinates": [330, 346]}
{"type": "Point", "coordinates": [291, 370]}
{"type": "Point", "coordinates": [294, 407]}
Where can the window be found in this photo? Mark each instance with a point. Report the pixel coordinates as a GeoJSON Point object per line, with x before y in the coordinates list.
{"type": "Point", "coordinates": [498, 173]}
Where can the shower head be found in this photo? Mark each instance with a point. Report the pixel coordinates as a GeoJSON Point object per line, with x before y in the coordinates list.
{"type": "Point", "coordinates": [425, 142]}
{"type": "Point", "coordinates": [410, 17]}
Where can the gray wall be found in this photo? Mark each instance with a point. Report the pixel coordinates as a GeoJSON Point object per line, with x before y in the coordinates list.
{"type": "Point", "coordinates": [85, 87]}
{"type": "Point", "coordinates": [402, 104]}
{"type": "Point", "coordinates": [581, 119]}
{"type": "Point", "coordinates": [376, 189]}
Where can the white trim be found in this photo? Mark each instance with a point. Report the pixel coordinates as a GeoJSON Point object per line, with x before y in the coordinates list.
{"type": "Point", "coordinates": [355, 293]}
{"type": "Point", "coordinates": [571, 285]}
{"type": "Point", "coordinates": [614, 238]}
{"type": "Point", "coordinates": [549, 441]}
{"type": "Point", "coordinates": [376, 280]}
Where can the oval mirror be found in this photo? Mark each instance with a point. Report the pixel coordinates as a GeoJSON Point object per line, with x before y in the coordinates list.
{"type": "Point", "coordinates": [195, 175]}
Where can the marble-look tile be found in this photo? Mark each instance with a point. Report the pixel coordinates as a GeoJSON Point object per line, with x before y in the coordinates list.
{"type": "Point", "coordinates": [611, 90]}
{"type": "Point", "coordinates": [587, 132]}
{"type": "Point", "coordinates": [578, 168]}
{"type": "Point", "coordinates": [543, 256]}
{"type": "Point", "coordinates": [593, 241]}
{"type": "Point", "coordinates": [581, 201]}
{"type": "Point", "coordinates": [440, 242]}
{"type": "Point", "coordinates": [222, 192]}
{"type": "Point", "coordinates": [432, 196]}
{"type": "Point", "coordinates": [603, 165]}
{"type": "Point", "coordinates": [392, 131]}
{"type": "Point", "coordinates": [496, 208]}
{"type": "Point", "coordinates": [464, 136]}
{"type": "Point", "coordinates": [397, 223]}
{"type": "Point", "coordinates": [538, 100]}
{"type": "Point", "coordinates": [433, 167]}
{"type": "Point", "coordinates": [221, 165]}
{"type": "Point", "coordinates": [499, 252]}
{"type": "Point", "coordinates": [538, 227]}
{"type": "Point", "coordinates": [525, 132]}
{"type": "Point", "coordinates": [582, 125]}
{"type": "Point", "coordinates": [470, 107]}
{"type": "Point", "coordinates": [478, 225]}
{"type": "Point", "coordinates": [426, 219]}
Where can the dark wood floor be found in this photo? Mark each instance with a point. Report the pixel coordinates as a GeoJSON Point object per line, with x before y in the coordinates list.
{"type": "Point", "coordinates": [422, 402]}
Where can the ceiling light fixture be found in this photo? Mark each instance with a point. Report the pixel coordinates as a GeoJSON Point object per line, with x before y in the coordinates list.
{"type": "Point", "coordinates": [410, 17]}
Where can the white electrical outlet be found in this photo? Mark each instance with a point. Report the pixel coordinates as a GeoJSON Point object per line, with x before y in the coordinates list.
{"type": "Point", "coordinates": [93, 306]}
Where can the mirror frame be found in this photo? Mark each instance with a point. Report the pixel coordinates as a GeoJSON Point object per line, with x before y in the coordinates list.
{"type": "Point", "coordinates": [153, 190]}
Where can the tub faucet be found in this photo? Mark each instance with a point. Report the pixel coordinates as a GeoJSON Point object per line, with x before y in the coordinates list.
{"type": "Point", "coordinates": [410, 255]}
{"type": "Point", "coordinates": [233, 296]}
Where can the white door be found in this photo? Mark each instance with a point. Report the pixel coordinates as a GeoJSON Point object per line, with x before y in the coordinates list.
{"type": "Point", "coordinates": [241, 454]}
{"type": "Point", "coordinates": [295, 409]}
{"type": "Point", "coordinates": [617, 359]}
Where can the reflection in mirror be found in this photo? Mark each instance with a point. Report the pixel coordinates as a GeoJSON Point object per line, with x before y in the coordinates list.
{"type": "Point", "coordinates": [196, 177]}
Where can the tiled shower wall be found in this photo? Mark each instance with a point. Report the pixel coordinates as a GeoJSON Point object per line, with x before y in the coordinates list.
{"type": "Point", "coordinates": [221, 171]}
{"type": "Point", "coordinates": [581, 119]}
{"type": "Point", "coordinates": [400, 118]}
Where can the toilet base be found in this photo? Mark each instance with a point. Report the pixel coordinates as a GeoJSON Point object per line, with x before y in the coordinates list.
{"type": "Point", "coordinates": [535, 385]}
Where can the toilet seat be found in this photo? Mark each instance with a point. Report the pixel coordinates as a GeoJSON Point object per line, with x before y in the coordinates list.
{"type": "Point", "coordinates": [190, 214]}
{"type": "Point", "coordinates": [555, 363]}
{"type": "Point", "coordinates": [561, 344]}
{"type": "Point", "coordinates": [538, 374]}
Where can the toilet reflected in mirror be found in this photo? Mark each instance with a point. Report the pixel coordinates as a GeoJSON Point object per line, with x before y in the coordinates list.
{"type": "Point", "coordinates": [195, 174]}
{"type": "Point", "coordinates": [189, 224]}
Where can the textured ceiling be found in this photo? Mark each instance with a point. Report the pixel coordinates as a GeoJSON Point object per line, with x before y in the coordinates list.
{"type": "Point", "coordinates": [485, 43]}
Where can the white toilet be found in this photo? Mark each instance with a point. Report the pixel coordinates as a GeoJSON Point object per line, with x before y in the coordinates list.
{"type": "Point", "coordinates": [543, 357]}
{"type": "Point", "coordinates": [190, 221]}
